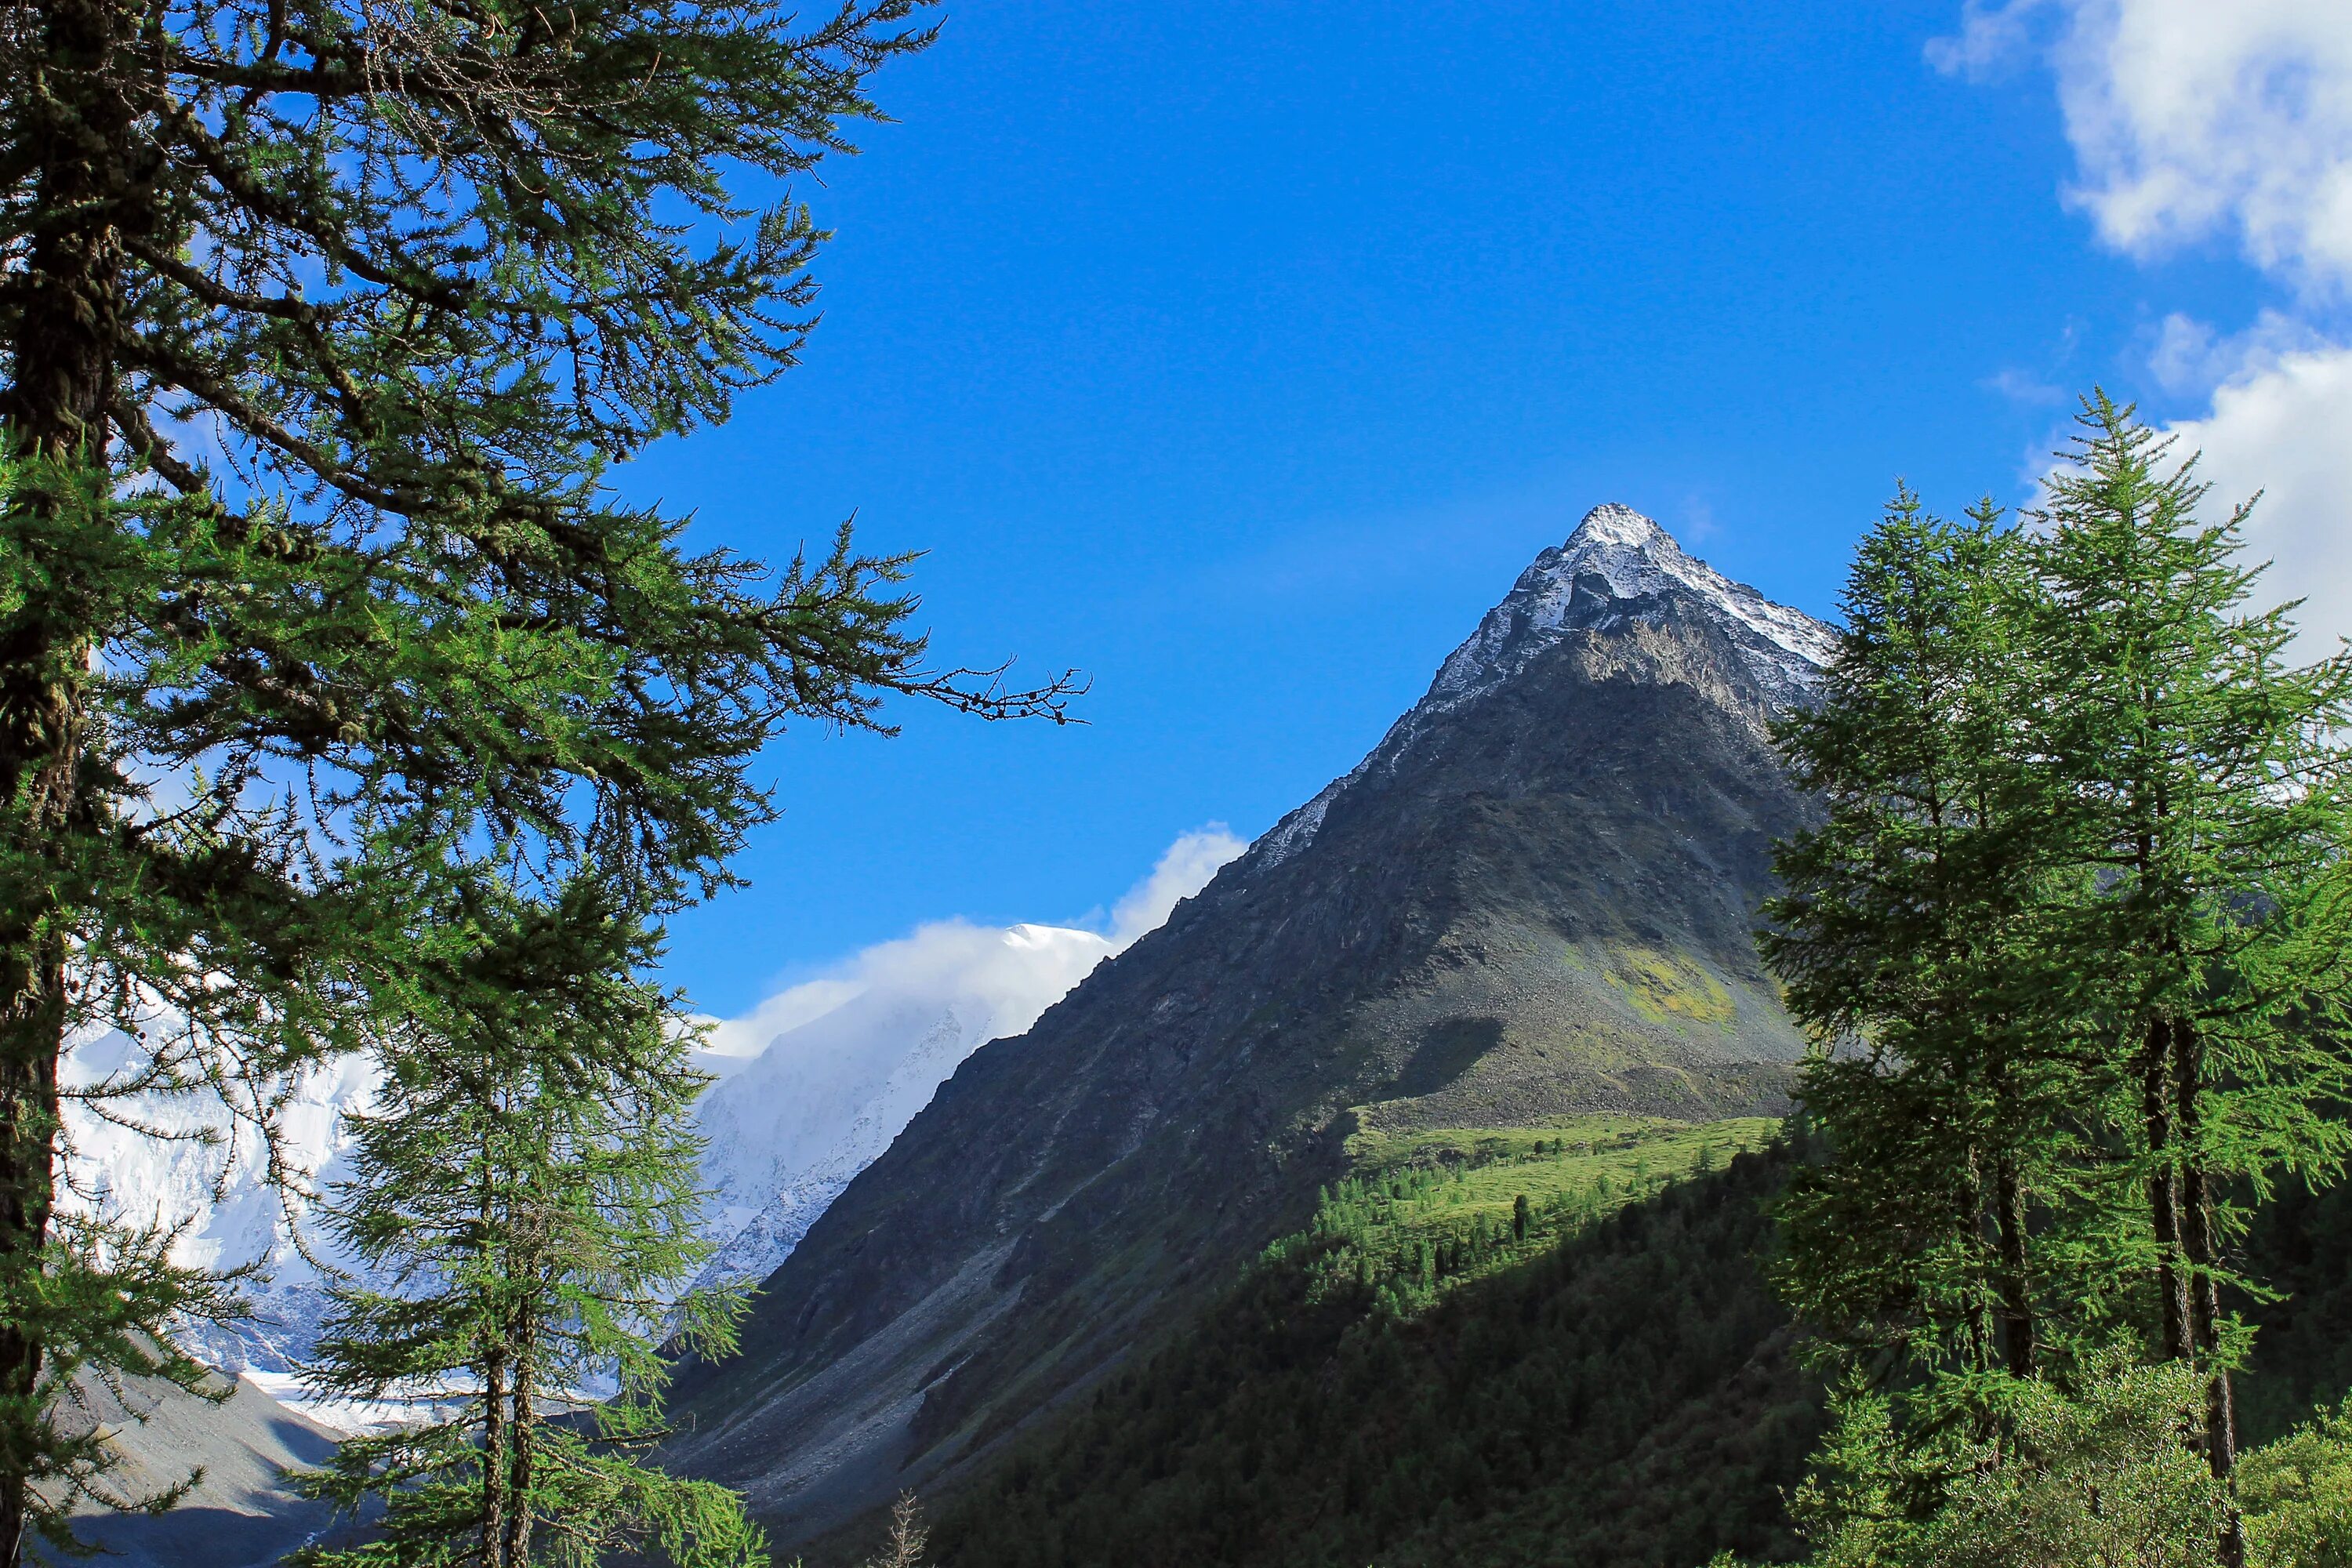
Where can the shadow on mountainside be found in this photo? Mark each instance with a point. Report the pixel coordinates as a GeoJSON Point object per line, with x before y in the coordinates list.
{"type": "Point", "coordinates": [1628, 1398]}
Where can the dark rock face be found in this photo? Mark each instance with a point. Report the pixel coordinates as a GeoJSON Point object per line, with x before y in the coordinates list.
{"type": "Point", "coordinates": [1536, 897]}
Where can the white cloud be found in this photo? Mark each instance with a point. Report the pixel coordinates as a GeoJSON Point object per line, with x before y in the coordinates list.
{"type": "Point", "coordinates": [952, 957]}
{"type": "Point", "coordinates": [2282, 424]}
{"type": "Point", "coordinates": [825, 1074]}
{"type": "Point", "coordinates": [740, 1038]}
{"type": "Point", "coordinates": [2190, 118]}
{"type": "Point", "coordinates": [2195, 117]}
{"type": "Point", "coordinates": [1183, 870]}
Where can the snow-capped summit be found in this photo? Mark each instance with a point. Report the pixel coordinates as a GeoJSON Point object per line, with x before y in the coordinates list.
{"type": "Point", "coordinates": [786, 1129]}
{"type": "Point", "coordinates": [1618, 566]}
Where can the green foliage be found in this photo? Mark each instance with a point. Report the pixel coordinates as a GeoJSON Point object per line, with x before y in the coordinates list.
{"type": "Point", "coordinates": [2102, 1476]}
{"type": "Point", "coordinates": [1620, 1392]}
{"type": "Point", "coordinates": [522, 1205]}
{"type": "Point", "coordinates": [1668, 1460]}
{"type": "Point", "coordinates": [1426, 1213]}
{"type": "Point", "coordinates": [2297, 1494]}
{"type": "Point", "coordinates": [98, 1308]}
{"type": "Point", "coordinates": [2096, 1472]}
{"type": "Point", "coordinates": [323, 320]}
{"type": "Point", "coordinates": [2074, 943]}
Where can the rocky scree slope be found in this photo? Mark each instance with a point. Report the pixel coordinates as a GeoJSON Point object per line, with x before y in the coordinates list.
{"type": "Point", "coordinates": [1536, 896]}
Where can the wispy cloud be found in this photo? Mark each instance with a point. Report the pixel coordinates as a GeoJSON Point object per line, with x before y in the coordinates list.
{"type": "Point", "coordinates": [1018, 975]}
{"type": "Point", "coordinates": [1183, 870]}
{"type": "Point", "coordinates": [2192, 118]}
{"type": "Point", "coordinates": [2024, 387]}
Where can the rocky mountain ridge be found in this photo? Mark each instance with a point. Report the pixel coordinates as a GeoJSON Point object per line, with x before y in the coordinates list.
{"type": "Point", "coordinates": [1535, 898]}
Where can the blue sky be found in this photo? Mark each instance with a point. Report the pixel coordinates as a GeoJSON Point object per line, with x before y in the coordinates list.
{"type": "Point", "coordinates": [1241, 355]}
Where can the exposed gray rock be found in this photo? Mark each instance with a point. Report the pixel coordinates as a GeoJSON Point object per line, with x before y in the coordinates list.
{"type": "Point", "coordinates": [1535, 897]}
{"type": "Point", "coordinates": [241, 1514]}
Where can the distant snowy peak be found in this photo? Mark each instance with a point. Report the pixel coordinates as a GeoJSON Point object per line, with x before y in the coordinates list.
{"type": "Point", "coordinates": [790, 1129]}
{"type": "Point", "coordinates": [1619, 566]}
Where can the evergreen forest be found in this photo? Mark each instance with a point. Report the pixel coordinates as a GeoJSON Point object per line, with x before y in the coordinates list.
{"type": "Point", "coordinates": [347, 712]}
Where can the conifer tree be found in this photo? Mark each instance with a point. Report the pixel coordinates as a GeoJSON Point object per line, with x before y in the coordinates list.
{"type": "Point", "coordinates": [2076, 936]}
{"type": "Point", "coordinates": [1905, 926]}
{"type": "Point", "coordinates": [2201, 779]}
{"type": "Point", "coordinates": [320, 322]}
{"type": "Point", "coordinates": [522, 1213]}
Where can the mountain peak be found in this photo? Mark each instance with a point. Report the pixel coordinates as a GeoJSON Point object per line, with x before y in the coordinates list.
{"type": "Point", "coordinates": [1613, 523]}
{"type": "Point", "coordinates": [1618, 567]}
{"type": "Point", "coordinates": [1467, 931]}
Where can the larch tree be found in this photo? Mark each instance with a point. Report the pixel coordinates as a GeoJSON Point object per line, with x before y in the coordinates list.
{"type": "Point", "coordinates": [2202, 778]}
{"type": "Point", "coordinates": [1904, 929]}
{"type": "Point", "coordinates": [523, 1222]}
{"type": "Point", "coordinates": [320, 322]}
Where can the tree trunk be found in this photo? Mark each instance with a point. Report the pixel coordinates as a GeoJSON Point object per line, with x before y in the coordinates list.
{"type": "Point", "coordinates": [32, 1021]}
{"type": "Point", "coordinates": [493, 1331]}
{"type": "Point", "coordinates": [2204, 1287]}
{"type": "Point", "coordinates": [77, 135]}
{"type": "Point", "coordinates": [39, 751]}
{"type": "Point", "coordinates": [2016, 1287]}
{"type": "Point", "coordinates": [77, 132]}
{"type": "Point", "coordinates": [519, 1482]}
{"type": "Point", "coordinates": [2163, 1189]}
{"type": "Point", "coordinates": [494, 1448]}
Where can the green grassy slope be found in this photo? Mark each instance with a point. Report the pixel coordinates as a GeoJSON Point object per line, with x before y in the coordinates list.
{"type": "Point", "coordinates": [1427, 1213]}
{"type": "Point", "coordinates": [1416, 1381]}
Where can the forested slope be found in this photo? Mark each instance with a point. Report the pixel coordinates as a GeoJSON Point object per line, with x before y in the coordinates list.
{"type": "Point", "coordinates": [1408, 1383]}
{"type": "Point", "coordinates": [1620, 1389]}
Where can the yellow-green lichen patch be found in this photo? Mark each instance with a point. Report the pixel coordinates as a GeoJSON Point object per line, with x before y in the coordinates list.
{"type": "Point", "coordinates": [1667, 988]}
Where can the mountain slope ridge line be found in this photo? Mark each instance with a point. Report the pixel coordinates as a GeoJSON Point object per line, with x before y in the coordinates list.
{"type": "Point", "coordinates": [1534, 897]}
